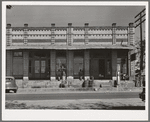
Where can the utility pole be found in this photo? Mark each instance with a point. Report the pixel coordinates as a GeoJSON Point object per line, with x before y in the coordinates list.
{"type": "Point", "coordinates": [140, 19]}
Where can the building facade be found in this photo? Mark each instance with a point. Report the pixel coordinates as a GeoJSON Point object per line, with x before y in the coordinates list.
{"type": "Point", "coordinates": [41, 52]}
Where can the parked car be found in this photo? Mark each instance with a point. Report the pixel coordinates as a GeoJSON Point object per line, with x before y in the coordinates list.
{"type": "Point", "coordinates": [10, 84]}
{"type": "Point", "coordinates": [142, 94]}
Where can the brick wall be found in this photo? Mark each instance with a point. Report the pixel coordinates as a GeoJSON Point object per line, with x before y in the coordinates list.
{"type": "Point", "coordinates": [71, 35]}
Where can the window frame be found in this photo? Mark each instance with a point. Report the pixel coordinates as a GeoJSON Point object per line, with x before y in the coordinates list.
{"type": "Point", "coordinates": [18, 54]}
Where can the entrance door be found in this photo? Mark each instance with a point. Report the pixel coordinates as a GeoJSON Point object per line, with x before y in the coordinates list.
{"type": "Point", "coordinates": [40, 69]}
{"type": "Point", "coordinates": [94, 68]}
{"type": "Point", "coordinates": [102, 68]}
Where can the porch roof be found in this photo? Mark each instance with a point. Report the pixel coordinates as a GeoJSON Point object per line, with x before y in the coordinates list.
{"type": "Point", "coordinates": [72, 47]}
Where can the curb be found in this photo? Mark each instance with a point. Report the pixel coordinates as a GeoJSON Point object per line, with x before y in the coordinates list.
{"type": "Point", "coordinates": [75, 90]}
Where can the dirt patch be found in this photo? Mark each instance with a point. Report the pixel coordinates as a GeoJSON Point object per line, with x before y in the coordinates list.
{"type": "Point", "coordinates": [134, 103]}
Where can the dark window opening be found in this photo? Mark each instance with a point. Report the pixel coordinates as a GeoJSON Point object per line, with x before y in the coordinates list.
{"type": "Point", "coordinates": [18, 54]}
{"type": "Point", "coordinates": [133, 57]}
{"type": "Point", "coordinates": [29, 66]}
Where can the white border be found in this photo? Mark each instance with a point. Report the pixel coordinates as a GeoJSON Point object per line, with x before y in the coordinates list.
{"type": "Point", "coordinates": [70, 115]}
{"type": "Point", "coordinates": [95, 3]}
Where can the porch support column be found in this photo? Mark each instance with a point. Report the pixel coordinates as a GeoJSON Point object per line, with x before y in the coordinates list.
{"type": "Point", "coordinates": [8, 35]}
{"type": "Point", "coordinates": [129, 64]}
{"type": "Point", "coordinates": [25, 38]}
{"type": "Point", "coordinates": [53, 33]}
{"type": "Point", "coordinates": [114, 33]}
{"type": "Point", "coordinates": [53, 64]}
{"type": "Point", "coordinates": [69, 34]}
{"type": "Point", "coordinates": [69, 64]}
{"type": "Point", "coordinates": [8, 63]}
{"type": "Point", "coordinates": [25, 65]}
{"type": "Point", "coordinates": [86, 64]}
{"type": "Point", "coordinates": [86, 33]}
{"type": "Point", "coordinates": [114, 63]}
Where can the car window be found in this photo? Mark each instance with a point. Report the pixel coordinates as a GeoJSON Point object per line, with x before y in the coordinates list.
{"type": "Point", "coordinates": [9, 79]}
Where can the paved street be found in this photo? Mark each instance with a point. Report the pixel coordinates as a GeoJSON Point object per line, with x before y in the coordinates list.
{"type": "Point", "coordinates": [69, 96]}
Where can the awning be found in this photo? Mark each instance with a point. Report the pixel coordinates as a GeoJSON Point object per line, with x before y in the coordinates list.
{"type": "Point", "coordinates": [72, 47]}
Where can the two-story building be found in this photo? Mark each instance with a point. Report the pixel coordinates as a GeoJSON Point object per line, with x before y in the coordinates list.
{"type": "Point", "coordinates": [39, 52]}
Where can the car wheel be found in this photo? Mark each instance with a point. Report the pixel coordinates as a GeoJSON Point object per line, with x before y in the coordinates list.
{"type": "Point", "coordinates": [15, 91]}
{"type": "Point", "coordinates": [7, 91]}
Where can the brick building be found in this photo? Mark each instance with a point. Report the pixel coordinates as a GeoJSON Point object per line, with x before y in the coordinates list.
{"type": "Point", "coordinates": [39, 52]}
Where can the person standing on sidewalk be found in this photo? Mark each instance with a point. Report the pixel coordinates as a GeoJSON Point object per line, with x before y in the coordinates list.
{"type": "Point", "coordinates": [59, 74]}
{"type": "Point", "coordinates": [80, 74]}
{"type": "Point", "coordinates": [125, 79]}
{"type": "Point", "coordinates": [63, 75]}
{"type": "Point", "coordinates": [118, 77]}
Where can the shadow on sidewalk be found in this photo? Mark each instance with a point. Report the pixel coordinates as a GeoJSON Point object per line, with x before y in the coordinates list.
{"type": "Point", "coordinates": [128, 108]}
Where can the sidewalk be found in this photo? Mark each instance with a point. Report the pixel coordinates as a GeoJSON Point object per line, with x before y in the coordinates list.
{"type": "Point", "coordinates": [76, 86]}
{"type": "Point", "coordinates": [75, 90]}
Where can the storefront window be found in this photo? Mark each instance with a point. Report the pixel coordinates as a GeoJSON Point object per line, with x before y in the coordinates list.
{"type": "Point", "coordinates": [108, 67]}
{"type": "Point", "coordinates": [61, 63]}
{"type": "Point", "coordinates": [122, 65]}
{"type": "Point", "coordinates": [78, 63]}
{"type": "Point", "coordinates": [17, 54]}
{"type": "Point", "coordinates": [122, 60]}
{"type": "Point", "coordinates": [37, 66]}
{"type": "Point", "coordinates": [29, 66]}
{"type": "Point", "coordinates": [43, 66]}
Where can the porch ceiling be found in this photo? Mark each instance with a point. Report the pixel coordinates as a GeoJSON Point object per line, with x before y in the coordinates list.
{"type": "Point", "coordinates": [72, 47]}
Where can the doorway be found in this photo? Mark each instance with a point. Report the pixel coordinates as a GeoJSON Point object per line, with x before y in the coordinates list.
{"type": "Point", "coordinates": [98, 69]}
{"type": "Point", "coordinates": [40, 69]}
{"type": "Point", "coordinates": [39, 65]}
{"type": "Point", "coordinates": [102, 68]}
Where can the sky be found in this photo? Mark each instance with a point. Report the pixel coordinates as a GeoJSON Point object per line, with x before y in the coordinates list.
{"type": "Point", "coordinates": [44, 15]}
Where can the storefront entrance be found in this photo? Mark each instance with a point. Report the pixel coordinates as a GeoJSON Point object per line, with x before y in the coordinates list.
{"type": "Point", "coordinates": [40, 69]}
{"type": "Point", "coordinates": [100, 64]}
{"type": "Point", "coordinates": [101, 68]}
{"type": "Point", "coordinates": [39, 65]}
{"type": "Point", "coordinates": [98, 69]}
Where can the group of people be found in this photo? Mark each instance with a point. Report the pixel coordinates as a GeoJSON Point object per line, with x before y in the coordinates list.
{"type": "Point", "coordinates": [61, 74]}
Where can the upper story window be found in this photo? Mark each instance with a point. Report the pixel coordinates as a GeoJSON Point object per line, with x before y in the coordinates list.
{"type": "Point", "coordinates": [17, 54]}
